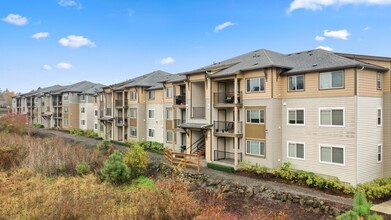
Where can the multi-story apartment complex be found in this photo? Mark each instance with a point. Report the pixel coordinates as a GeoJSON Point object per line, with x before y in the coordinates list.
{"type": "Point", "coordinates": [70, 106]}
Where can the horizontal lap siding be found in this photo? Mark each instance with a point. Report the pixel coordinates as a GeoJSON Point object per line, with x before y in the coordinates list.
{"type": "Point", "coordinates": [387, 134]}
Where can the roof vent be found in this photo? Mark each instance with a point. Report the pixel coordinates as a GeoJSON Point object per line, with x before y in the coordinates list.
{"type": "Point", "coordinates": [255, 64]}
{"type": "Point", "coordinates": [314, 65]}
{"type": "Point", "coordinates": [310, 54]}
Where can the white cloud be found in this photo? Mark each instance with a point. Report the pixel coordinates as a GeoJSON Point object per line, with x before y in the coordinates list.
{"type": "Point", "coordinates": [319, 38]}
{"type": "Point", "coordinates": [341, 34]}
{"type": "Point", "coordinates": [40, 35]}
{"type": "Point", "coordinates": [47, 67]}
{"type": "Point", "coordinates": [76, 41]}
{"type": "Point", "coordinates": [69, 3]}
{"type": "Point", "coordinates": [320, 4]}
{"type": "Point", "coordinates": [367, 28]}
{"type": "Point", "coordinates": [223, 25]}
{"type": "Point", "coordinates": [166, 61]}
{"type": "Point", "coordinates": [15, 19]}
{"type": "Point", "coordinates": [65, 66]}
{"type": "Point", "coordinates": [325, 48]}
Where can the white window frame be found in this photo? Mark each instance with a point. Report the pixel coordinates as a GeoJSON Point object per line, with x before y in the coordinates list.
{"type": "Point", "coordinates": [151, 95]}
{"type": "Point", "coordinates": [95, 113]}
{"type": "Point", "coordinates": [135, 113]}
{"type": "Point", "coordinates": [65, 97]}
{"type": "Point", "coordinates": [172, 112]}
{"type": "Point", "coordinates": [82, 98]}
{"type": "Point", "coordinates": [96, 126]}
{"type": "Point", "coordinates": [287, 150]}
{"type": "Point", "coordinates": [153, 113]}
{"type": "Point", "coordinates": [65, 122]}
{"type": "Point", "coordinates": [294, 78]}
{"type": "Point", "coordinates": [295, 109]}
{"type": "Point", "coordinates": [331, 80]}
{"type": "Point", "coordinates": [332, 108]}
{"type": "Point", "coordinates": [260, 84]}
{"type": "Point", "coordinates": [83, 122]}
{"type": "Point", "coordinates": [381, 153]}
{"type": "Point", "coordinates": [260, 141]}
{"type": "Point", "coordinates": [331, 146]}
{"type": "Point", "coordinates": [152, 129]}
{"type": "Point", "coordinates": [65, 109]}
{"type": "Point", "coordinates": [133, 97]}
{"type": "Point", "coordinates": [381, 117]}
{"type": "Point", "coordinates": [169, 92]}
{"type": "Point", "coordinates": [135, 130]}
{"type": "Point", "coordinates": [247, 122]}
{"type": "Point", "coordinates": [379, 81]}
{"type": "Point", "coordinates": [82, 110]}
{"type": "Point", "coordinates": [172, 136]}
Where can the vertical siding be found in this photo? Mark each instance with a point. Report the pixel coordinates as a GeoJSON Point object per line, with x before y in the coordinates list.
{"type": "Point", "coordinates": [369, 136]}
{"type": "Point", "coordinates": [313, 135]}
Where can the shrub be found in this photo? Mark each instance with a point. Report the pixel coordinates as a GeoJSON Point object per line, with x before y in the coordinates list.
{"type": "Point", "coordinates": [103, 145]}
{"type": "Point", "coordinates": [77, 132]}
{"type": "Point", "coordinates": [377, 189]}
{"type": "Point", "coordinates": [361, 209]}
{"type": "Point", "coordinates": [83, 169]}
{"type": "Point", "coordinates": [219, 167]}
{"type": "Point", "coordinates": [137, 161]}
{"type": "Point", "coordinates": [38, 126]}
{"type": "Point", "coordinates": [115, 170]}
{"type": "Point", "coordinates": [152, 145]}
{"type": "Point", "coordinates": [90, 133]}
{"type": "Point", "coordinates": [143, 182]}
{"type": "Point", "coordinates": [13, 123]}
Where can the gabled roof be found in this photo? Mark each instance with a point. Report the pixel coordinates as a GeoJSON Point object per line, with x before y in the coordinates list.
{"type": "Point", "coordinates": [150, 80]}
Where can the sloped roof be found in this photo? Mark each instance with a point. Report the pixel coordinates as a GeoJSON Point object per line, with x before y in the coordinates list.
{"type": "Point", "coordinates": [150, 80]}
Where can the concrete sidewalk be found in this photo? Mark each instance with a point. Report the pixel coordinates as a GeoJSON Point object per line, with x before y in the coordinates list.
{"type": "Point", "coordinates": [384, 207]}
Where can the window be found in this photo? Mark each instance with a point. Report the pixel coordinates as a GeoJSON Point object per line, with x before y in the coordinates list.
{"type": "Point", "coordinates": [169, 114]}
{"type": "Point", "coordinates": [65, 122]}
{"type": "Point", "coordinates": [379, 153]}
{"type": "Point", "coordinates": [169, 92]}
{"type": "Point", "coordinates": [151, 95]}
{"type": "Point", "coordinates": [83, 110]}
{"type": "Point", "coordinates": [332, 80]}
{"type": "Point", "coordinates": [95, 99]}
{"type": "Point", "coordinates": [332, 155]}
{"type": "Point", "coordinates": [296, 150]}
{"type": "Point", "coordinates": [65, 97]}
{"type": "Point", "coordinates": [256, 116]}
{"type": "Point", "coordinates": [255, 147]}
{"type": "Point", "coordinates": [133, 95]}
{"type": "Point", "coordinates": [170, 136]}
{"type": "Point", "coordinates": [296, 116]}
{"type": "Point", "coordinates": [82, 98]}
{"type": "Point", "coordinates": [96, 112]}
{"type": "Point", "coordinates": [151, 114]}
{"type": "Point", "coordinates": [255, 85]}
{"type": "Point", "coordinates": [83, 122]}
{"type": "Point", "coordinates": [133, 113]}
{"type": "Point", "coordinates": [379, 116]}
{"type": "Point", "coordinates": [102, 128]}
{"type": "Point", "coordinates": [331, 117]}
{"type": "Point", "coordinates": [379, 80]}
{"type": "Point", "coordinates": [296, 83]}
{"type": "Point", "coordinates": [133, 132]}
{"type": "Point", "coordinates": [96, 126]}
{"type": "Point", "coordinates": [151, 132]}
{"type": "Point", "coordinates": [65, 109]}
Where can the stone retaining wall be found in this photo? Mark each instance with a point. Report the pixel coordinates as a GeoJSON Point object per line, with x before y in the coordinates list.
{"type": "Point", "coordinates": [227, 187]}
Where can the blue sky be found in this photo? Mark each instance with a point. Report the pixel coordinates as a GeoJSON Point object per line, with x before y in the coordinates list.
{"type": "Point", "coordinates": [47, 42]}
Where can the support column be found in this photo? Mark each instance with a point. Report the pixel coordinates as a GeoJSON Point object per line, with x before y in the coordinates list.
{"type": "Point", "coordinates": [236, 141]}
{"type": "Point", "coordinates": [123, 115]}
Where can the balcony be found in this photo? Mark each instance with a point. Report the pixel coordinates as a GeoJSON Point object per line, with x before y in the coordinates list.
{"type": "Point", "coordinates": [121, 103]}
{"type": "Point", "coordinates": [178, 122]}
{"type": "Point", "coordinates": [227, 99]}
{"type": "Point", "coordinates": [119, 121]}
{"type": "Point", "coordinates": [226, 157]}
{"type": "Point", "coordinates": [180, 100]}
{"type": "Point", "coordinates": [109, 112]}
{"type": "Point", "coordinates": [227, 129]}
{"type": "Point", "coordinates": [198, 112]}
{"type": "Point", "coordinates": [28, 104]}
{"type": "Point", "coordinates": [57, 115]}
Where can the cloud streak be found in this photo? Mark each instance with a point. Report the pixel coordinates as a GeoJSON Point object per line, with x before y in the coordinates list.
{"type": "Point", "coordinates": [40, 35]}
{"type": "Point", "coordinates": [166, 61]}
{"type": "Point", "coordinates": [15, 19]}
{"type": "Point", "coordinates": [320, 4]}
{"type": "Point", "coordinates": [47, 67]}
{"type": "Point", "coordinates": [340, 34]}
{"type": "Point", "coordinates": [70, 3]}
{"type": "Point", "coordinates": [223, 26]}
{"type": "Point", "coordinates": [64, 66]}
{"type": "Point", "coordinates": [76, 41]}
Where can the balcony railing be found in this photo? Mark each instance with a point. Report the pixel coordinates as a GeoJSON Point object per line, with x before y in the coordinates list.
{"type": "Point", "coordinates": [180, 100]}
{"type": "Point", "coordinates": [57, 115]}
{"type": "Point", "coordinates": [121, 121]}
{"type": "Point", "coordinates": [28, 103]}
{"type": "Point", "coordinates": [108, 111]}
{"type": "Point", "coordinates": [224, 155]}
{"type": "Point", "coordinates": [119, 103]}
{"type": "Point", "coordinates": [227, 97]}
{"type": "Point", "coordinates": [224, 127]}
{"type": "Point", "coordinates": [178, 122]}
{"type": "Point", "coordinates": [198, 112]}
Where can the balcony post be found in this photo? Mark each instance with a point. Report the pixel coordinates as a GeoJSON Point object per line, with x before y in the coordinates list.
{"type": "Point", "coordinates": [123, 116]}
{"type": "Point", "coordinates": [236, 121]}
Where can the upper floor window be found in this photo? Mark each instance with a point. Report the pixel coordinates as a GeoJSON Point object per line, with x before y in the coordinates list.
{"type": "Point", "coordinates": [379, 80]}
{"type": "Point", "coordinates": [255, 85]}
{"type": "Point", "coordinates": [169, 92]}
{"type": "Point", "coordinates": [151, 132]}
{"type": "Point", "coordinates": [151, 113]}
{"type": "Point", "coordinates": [331, 117]}
{"type": "Point", "coordinates": [332, 80]}
{"type": "Point", "coordinates": [296, 116]}
{"type": "Point", "coordinates": [133, 113]}
{"type": "Point", "coordinates": [65, 109]}
{"type": "Point", "coordinates": [379, 117]}
{"type": "Point", "coordinates": [256, 116]}
{"type": "Point", "coordinates": [82, 97]}
{"type": "Point", "coordinates": [65, 97]}
{"type": "Point", "coordinates": [133, 95]}
{"type": "Point", "coordinates": [151, 95]}
{"type": "Point", "coordinates": [83, 122]}
{"type": "Point", "coordinates": [83, 110]}
{"type": "Point", "coordinates": [296, 83]}
{"type": "Point", "coordinates": [169, 114]}
{"type": "Point", "coordinates": [379, 153]}
{"type": "Point", "coordinates": [96, 112]}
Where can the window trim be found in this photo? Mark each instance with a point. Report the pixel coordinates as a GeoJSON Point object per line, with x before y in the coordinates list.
{"type": "Point", "coordinates": [81, 122]}
{"type": "Point", "coordinates": [153, 132]}
{"type": "Point", "coordinates": [332, 108]}
{"type": "Point", "coordinates": [84, 98]}
{"type": "Point", "coordinates": [295, 109]}
{"type": "Point", "coordinates": [169, 93]}
{"type": "Point", "coordinates": [81, 110]}
{"type": "Point", "coordinates": [331, 163]}
{"type": "Point", "coordinates": [262, 123]}
{"type": "Point", "coordinates": [153, 113]}
{"type": "Point", "coordinates": [96, 113]}
{"type": "Point", "coordinates": [256, 155]}
{"type": "Point", "coordinates": [381, 117]}
{"type": "Point", "coordinates": [65, 97]}
{"type": "Point", "coordinates": [287, 150]}
{"type": "Point", "coordinates": [172, 114]}
{"type": "Point", "coordinates": [381, 153]}
{"type": "Point", "coordinates": [379, 77]}
{"type": "Point", "coordinates": [151, 92]}
{"type": "Point", "coordinates": [130, 132]}
{"type": "Point", "coordinates": [264, 84]}
{"type": "Point", "coordinates": [130, 113]}
{"type": "Point", "coordinates": [331, 72]}
{"type": "Point", "coordinates": [135, 95]}
{"type": "Point", "coordinates": [172, 133]}
{"type": "Point", "coordinates": [297, 90]}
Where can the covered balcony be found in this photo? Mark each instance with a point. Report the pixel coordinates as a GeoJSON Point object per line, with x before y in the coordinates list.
{"type": "Point", "coordinates": [120, 121]}
{"type": "Point", "coordinates": [227, 129]}
{"type": "Point", "coordinates": [224, 152]}
{"type": "Point", "coordinates": [227, 99]}
{"type": "Point", "coordinates": [119, 103]}
{"type": "Point", "coordinates": [180, 100]}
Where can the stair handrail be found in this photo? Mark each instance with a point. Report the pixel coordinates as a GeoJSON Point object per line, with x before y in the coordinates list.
{"type": "Point", "coordinates": [195, 143]}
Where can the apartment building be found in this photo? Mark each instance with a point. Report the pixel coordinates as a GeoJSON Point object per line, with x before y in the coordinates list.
{"type": "Point", "coordinates": [133, 110]}
{"type": "Point", "coordinates": [70, 106]}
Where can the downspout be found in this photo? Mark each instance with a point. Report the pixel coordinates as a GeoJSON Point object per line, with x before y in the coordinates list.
{"type": "Point", "coordinates": [357, 119]}
{"type": "Point", "coordinates": [210, 112]}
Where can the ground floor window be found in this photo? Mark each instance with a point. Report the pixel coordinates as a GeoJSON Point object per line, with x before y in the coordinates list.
{"type": "Point", "coordinates": [96, 126]}
{"type": "Point", "coordinates": [379, 153]}
{"type": "Point", "coordinates": [296, 150]}
{"type": "Point", "coordinates": [151, 132]}
{"type": "Point", "coordinates": [133, 132]}
{"type": "Point", "coordinates": [332, 154]}
{"type": "Point", "coordinates": [83, 122]}
{"type": "Point", "coordinates": [170, 136]}
{"type": "Point", "coordinates": [255, 147]}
